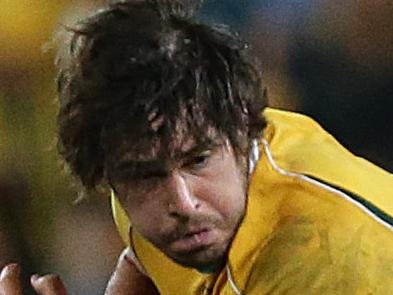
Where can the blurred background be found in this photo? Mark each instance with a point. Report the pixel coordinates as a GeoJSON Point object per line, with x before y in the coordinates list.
{"type": "Point", "coordinates": [330, 59]}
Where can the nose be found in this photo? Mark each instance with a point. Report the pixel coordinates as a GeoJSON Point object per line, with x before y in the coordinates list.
{"type": "Point", "coordinates": [181, 201]}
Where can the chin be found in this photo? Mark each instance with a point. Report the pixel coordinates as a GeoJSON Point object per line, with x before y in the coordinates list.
{"type": "Point", "coordinates": [202, 259]}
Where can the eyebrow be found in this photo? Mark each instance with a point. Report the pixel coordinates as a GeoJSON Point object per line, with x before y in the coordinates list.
{"type": "Point", "coordinates": [138, 165]}
{"type": "Point", "coordinates": [141, 169]}
{"type": "Point", "coordinates": [159, 165]}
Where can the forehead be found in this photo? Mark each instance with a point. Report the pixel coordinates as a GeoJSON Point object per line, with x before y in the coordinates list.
{"type": "Point", "coordinates": [175, 146]}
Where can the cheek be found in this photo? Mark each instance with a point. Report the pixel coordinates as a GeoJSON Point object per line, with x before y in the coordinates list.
{"type": "Point", "coordinates": [147, 222]}
{"type": "Point", "coordinates": [224, 192]}
{"type": "Point", "coordinates": [146, 214]}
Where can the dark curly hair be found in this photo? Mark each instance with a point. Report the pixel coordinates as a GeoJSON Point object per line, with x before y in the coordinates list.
{"type": "Point", "coordinates": [134, 62]}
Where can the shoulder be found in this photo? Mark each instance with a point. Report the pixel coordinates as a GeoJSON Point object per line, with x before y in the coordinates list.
{"type": "Point", "coordinates": [299, 144]}
{"type": "Point", "coordinates": [328, 237]}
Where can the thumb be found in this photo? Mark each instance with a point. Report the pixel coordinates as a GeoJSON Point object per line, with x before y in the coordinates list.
{"type": "Point", "coordinates": [48, 285]}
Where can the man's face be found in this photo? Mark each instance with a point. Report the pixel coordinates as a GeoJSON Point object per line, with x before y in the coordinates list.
{"type": "Point", "coordinates": [188, 206]}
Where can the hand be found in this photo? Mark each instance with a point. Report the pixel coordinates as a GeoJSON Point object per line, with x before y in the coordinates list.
{"type": "Point", "coordinates": [128, 280]}
{"type": "Point", "coordinates": [47, 285]}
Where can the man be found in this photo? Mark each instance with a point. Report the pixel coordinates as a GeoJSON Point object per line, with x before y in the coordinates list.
{"type": "Point", "coordinates": [211, 196]}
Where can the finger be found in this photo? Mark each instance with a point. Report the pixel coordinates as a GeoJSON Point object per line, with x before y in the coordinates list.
{"type": "Point", "coordinates": [9, 280]}
{"type": "Point", "coordinates": [48, 285]}
{"type": "Point", "coordinates": [128, 280]}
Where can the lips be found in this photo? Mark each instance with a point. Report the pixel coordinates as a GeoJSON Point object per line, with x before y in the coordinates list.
{"type": "Point", "coordinates": [193, 240]}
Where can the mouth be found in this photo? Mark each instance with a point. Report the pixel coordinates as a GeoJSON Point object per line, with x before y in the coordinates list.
{"type": "Point", "coordinates": [193, 240]}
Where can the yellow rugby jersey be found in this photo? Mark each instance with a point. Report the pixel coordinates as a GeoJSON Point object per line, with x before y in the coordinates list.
{"type": "Point", "coordinates": [318, 221]}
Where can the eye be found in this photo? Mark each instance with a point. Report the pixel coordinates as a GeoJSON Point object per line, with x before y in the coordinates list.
{"type": "Point", "coordinates": [200, 160]}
